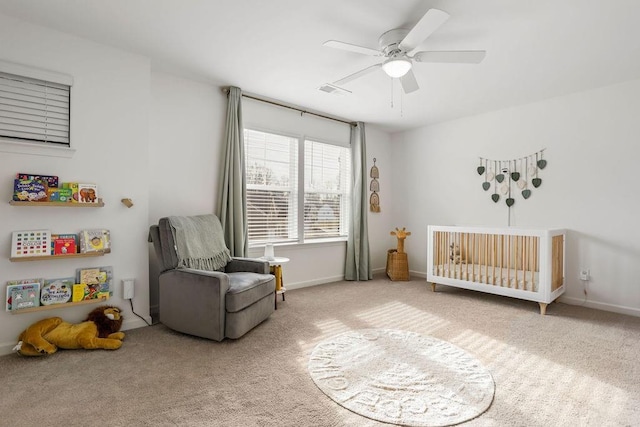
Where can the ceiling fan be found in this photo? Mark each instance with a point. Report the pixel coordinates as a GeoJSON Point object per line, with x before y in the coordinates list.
{"type": "Point", "coordinates": [398, 46]}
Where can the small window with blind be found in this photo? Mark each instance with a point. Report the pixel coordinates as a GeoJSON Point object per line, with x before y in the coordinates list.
{"type": "Point", "coordinates": [281, 184]}
{"type": "Point", "coordinates": [34, 110]}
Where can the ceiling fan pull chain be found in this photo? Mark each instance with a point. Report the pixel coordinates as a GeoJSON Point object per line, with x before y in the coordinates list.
{"type": "Point", "coordinates": [391, 94]}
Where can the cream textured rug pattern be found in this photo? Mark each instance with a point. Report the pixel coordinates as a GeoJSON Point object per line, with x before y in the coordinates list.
{"type": "Point", "coordinates": [401, 377]}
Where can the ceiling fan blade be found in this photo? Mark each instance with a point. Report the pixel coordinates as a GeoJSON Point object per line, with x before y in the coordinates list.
{"type": "Point", "coordinates": [356, 75]}
{"type": "Point", "coordinates": [409, 82]}
{"type": "Point", "coordinates": [423, 29]}
{"type": "Point", "coordinates": [351, 48]}
{"type": "Point", "coordinates": [458, 56]}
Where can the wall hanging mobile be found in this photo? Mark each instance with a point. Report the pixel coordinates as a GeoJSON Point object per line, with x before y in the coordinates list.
{"type": "Point", "coordinates": [374, 200]}
{"type": "Point", "coordinates": [508, 177]}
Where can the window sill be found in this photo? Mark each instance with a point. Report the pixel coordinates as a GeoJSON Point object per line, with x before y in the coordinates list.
{"type": "Point", "coordinates": [36, 149]}
{"type": "Point", "coordinates": [307, 244]}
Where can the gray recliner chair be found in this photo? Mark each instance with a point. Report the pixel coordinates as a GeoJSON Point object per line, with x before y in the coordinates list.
{"type": "Point", "coordinates": [226, 302]}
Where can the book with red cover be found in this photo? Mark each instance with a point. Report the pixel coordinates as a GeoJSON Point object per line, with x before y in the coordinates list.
{"type": "Point", "coordinates": [64, 244]}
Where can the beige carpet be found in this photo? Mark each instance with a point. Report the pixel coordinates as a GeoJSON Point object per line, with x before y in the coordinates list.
{"type": "Point", "coordinates": [572, 367]}
{"type": "Point", "coordinates": [401, 377]}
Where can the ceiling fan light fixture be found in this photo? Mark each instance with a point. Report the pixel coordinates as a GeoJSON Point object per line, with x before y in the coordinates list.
{"type": "Point", "coordinates": [396, 67]}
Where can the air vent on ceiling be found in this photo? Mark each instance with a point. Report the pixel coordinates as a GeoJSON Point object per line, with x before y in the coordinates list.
{"type": "Point", "coordinates": [333, 89]}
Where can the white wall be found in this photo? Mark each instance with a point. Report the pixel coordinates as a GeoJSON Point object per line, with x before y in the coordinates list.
{"type": "Point", "coordinates": [589, 185]}
{"type": "Point", "coordinates": [109, 130]}
{"type": "Point", "coordinates": [186, 127]}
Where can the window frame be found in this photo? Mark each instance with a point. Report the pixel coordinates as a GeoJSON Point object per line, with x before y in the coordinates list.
{"type": "Point", "coordinates": [301, 139]}
{"type": "Point", "coordinates": [25, 146]}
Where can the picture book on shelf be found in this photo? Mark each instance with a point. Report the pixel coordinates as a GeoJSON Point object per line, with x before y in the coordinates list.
{"type": "Point", "coordinates": [87, 193]}
{"type": "Point", "coordinates": [80, 292]}
{"type": "Point", "coordinates": [90, 276]}
{"type": "Point", "coordinates": [55, 194]}
{"type": "Point", "coordinates": [63, 244]}
{"type": "Point", "coordinates": [97, 280]}
{"type": "Point", "coordinates": [24, 290]}
{"type": "Point", "coordinates": [30, 243]}
{"type": "Point", "coordinates": [30, 190]}
{"type": "Point", "coordinates": [57, 291]}
{"type": "Point", "coordinates": [95, 241]}
{"type": "Point", "coordinates": [25, 297]}
{"type": "Point", "coordinates": [50, 180]}
{"type": "Point", "coordinates": [73, 190]}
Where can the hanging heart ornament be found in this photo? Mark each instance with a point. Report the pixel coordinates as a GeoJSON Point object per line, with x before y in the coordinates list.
{"type": "Point", "coordinates": [495, 197]}
{"type": "Point", "coordinates": [500, 177]}
{"type": "Point", "coordinates": [526, 193]}
{"type": "Point", "coordinates": [486, 185]}
{"type": "Point", "coordinates": [515, 176]}
{"type": "Point", "coordinates": [510, 201]}
{"type": "Point", "coordinates": [536, 182]}
{"type": "Point", "coordinates": [480, 170]}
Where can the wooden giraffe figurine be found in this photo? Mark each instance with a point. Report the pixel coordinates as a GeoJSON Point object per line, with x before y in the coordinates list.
{"type": "Point", "coordinates": [401, 235]}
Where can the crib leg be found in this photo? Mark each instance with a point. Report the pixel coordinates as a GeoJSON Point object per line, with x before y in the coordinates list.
{"type": "Point", "coordinates": [543, 308]}
{"type": "Point", "coordinates": [433, 287]}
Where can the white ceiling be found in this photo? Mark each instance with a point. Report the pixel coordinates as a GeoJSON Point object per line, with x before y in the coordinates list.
{"type": "Point", "coordinates": [273, 48]}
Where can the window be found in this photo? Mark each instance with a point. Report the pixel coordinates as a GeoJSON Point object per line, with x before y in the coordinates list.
{"type": "Point", "coordinates": [279, 169]}
{"type": "Point", "coordinates": [33, 109]}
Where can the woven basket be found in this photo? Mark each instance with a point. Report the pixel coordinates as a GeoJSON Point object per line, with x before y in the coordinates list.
{"type": "Point", "coordinates": [397, 265]}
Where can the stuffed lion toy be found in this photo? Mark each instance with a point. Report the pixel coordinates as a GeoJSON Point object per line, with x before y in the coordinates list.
{"type": "Point", "coordinates": [99, 330]}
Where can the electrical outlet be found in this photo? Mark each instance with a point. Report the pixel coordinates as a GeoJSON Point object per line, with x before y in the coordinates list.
{"type": "Point", "coordinates": [584, 275]}
{"type": "Point", "coordinates": [128, 288]}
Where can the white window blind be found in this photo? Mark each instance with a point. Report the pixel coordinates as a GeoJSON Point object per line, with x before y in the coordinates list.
{"type": "Point", "coordinates": [271, 167]}
{"type": "Point", "coordinates": [326, 190]}
{"type": "Point", "coordinates": [34, 110]}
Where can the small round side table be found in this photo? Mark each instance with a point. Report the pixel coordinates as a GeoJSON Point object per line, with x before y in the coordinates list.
{"type": "Point", "coordinates": [275, 265]}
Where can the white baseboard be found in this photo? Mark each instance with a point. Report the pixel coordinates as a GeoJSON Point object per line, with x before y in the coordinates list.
{"type": "Point", "coordinates": [321, 281]}
{"type": "Point", "coordinates": [600, 306]}
{"type": "Point", "coordinates": [135, 323]}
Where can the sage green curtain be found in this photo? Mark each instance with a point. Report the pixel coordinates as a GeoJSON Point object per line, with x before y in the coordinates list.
{"type": "Point", "coordinates": [358, 266]}
{"type": "Point", "coordinates": [233, 191]}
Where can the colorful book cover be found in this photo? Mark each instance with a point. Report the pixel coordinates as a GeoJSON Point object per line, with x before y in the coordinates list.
{"type": "Point", "coordinates": [57, 291]}
{"type": "Point", "coordinates": [29, 190]}
{"type": "Point", "coordinates": [25, 284]}
{"type": "Point", "coordinates": [30, 243]}
{"type": "Point", "coordinates": [51, 180]}
{"type": "Point", "coordinates": [62, 195]}
{"type": "Point", "coordinates": [90, 276]}
{"type": "Point", "coordinates": [104, 276]}
{"type": "Point", "coordinates": [87, 193]}
{"type": "Point", "coordinates": [26, 296]}
{"type": "Point", "coordinates": [95, 241]}
{"type": "Point", "coordinates": [73, 188]}
{"type": "Point", "coordinates": [80, 292]}
{"type": "Point", "coordinates": [63, 244]}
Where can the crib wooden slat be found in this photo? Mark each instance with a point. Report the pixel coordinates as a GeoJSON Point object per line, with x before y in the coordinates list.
{"type": "Point", "coordinates": [501, 257]}
{"type": "Point", "coordinates": [509, 258]}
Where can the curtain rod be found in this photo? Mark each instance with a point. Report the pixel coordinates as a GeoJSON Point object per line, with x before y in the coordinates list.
{"type": "Point", "coordinates": [267, 101]}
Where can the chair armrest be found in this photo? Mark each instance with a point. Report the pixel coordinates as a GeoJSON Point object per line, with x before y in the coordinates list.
{"type": "Point", "coordinates": [193, 301]}
{"type": "Point", "coordinates": [251, 265]}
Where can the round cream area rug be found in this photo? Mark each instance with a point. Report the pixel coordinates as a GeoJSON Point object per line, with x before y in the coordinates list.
{"type": "Point", "coordinates": [401, 377]}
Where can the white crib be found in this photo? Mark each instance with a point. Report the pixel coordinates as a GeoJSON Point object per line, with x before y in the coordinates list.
{"type": "Point", "coordinates": [517, 262]}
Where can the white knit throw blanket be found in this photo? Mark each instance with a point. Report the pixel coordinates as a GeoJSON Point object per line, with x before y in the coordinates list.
{"type": "Point", "coordinates": [199, 242]}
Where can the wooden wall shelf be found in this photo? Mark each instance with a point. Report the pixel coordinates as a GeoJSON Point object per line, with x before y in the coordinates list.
{"type": "Point", "coordinates": [100, 204]}
{"type": "Point", "coordinates": [47, 257]}
{"type": "Point", "coordinates": [55, 306]}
